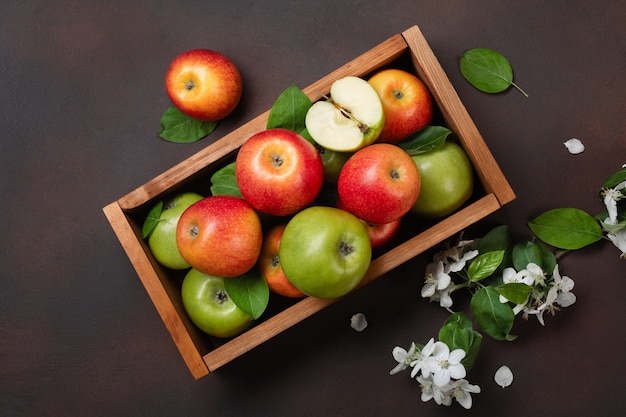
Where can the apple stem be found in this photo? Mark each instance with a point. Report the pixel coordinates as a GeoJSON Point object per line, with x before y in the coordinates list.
{"type": "Point", "coordinates": [346, 248]}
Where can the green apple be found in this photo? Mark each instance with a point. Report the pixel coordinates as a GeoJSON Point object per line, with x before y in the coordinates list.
{"type": "Point", "coordinates": [162, 239]}
{"type": "Point", "coordinates": [351, 118]}
{"type": "Point", "coordinates": [333, 161]}
{"type": "Point", "coordinates": [447, 180]}
{"type": "Point", "coordinates": [210, 308]}
{"type": "Point", "coordinates": [325, 251]}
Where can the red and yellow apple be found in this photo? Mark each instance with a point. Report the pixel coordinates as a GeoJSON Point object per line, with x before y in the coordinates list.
{"type": "Point", "coordinates": [279, 172]}
{"type": "Point", "coordinates": [270, 266]}
{"type": "Point", "coordinates": [379, 234]}
{"type": "Point", "coordinates": [407, 103]}
{"type": "Point", "coordinates": [220, 236]}
{"type": "Point", "coordinates": [379, 183]}
{"type": "Point", "coordinates": [204, 84]}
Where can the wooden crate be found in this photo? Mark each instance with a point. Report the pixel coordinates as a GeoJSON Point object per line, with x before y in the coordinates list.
{"type": "Point", "coordinates": [201, 353]}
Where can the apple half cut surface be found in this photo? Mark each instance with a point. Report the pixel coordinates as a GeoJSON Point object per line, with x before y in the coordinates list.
{"type": "Point", "coordinates": [350, 119]}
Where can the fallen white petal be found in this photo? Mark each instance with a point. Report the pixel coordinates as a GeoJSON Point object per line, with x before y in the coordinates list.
{"type": "Point", "coordinates": [574, 146]}
{"type": "Point", "coordinates": [358, 322]}
{"type": "Point", "coordinates": [504, 376]}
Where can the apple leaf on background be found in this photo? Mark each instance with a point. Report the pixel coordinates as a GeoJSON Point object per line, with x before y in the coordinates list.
{"type": "Point", "coordinates": [495, 318]}
{"type": "Point", "coordinates": [616, 178]}
{"type": "Point", "coordinates": [485, 265]}
{"type": "Point", "coordinates": [424, 140]}
{"type": "Point", "coordinates": [458, 333]}
{"type": "Point", "coordinates": [289, 111]}
{"type": "Point", "coordinates": [515, 292]}
{"type": "Point", "coordinates": [488, 70]}
{"type": "Point", "coordinates": [177, 127]}
{"type": "Point", "coordinates": [566, 228]}
{"type": "Point", "coordinates": [151, 219]}
{"type": "Point", "coordinates": [498, 238]}
{"type": "Point", "coordinates": [224, 182]}
{"type": "Point", "coordinates": [249, 292]}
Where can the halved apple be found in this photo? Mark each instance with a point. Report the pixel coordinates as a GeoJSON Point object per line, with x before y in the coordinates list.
{"type": "Point", "coordinates": [350, 119]}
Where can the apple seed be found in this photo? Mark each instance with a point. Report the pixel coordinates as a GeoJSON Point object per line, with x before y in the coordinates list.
{"type": "Point", "coordinates": [363, 127]}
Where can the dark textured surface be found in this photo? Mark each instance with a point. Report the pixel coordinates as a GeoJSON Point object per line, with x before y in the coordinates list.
{"type": "Point", "coordinates": [82, 95]}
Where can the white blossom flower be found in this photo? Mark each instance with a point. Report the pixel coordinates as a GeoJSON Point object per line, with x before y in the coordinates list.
{"type": "Point", "coordinates": [538, 276]}
{"type": "Point", "coordinates": [444, 364]}
{"type": "Point", "coordinates": [503, 376]}
{"type": "Point", "coordinates": [461, 391]}
{"type": "Point", "coordinates": [403, 357]}
{"type": "Point", "coordinates": [619, 240]}
{"type": "Point", "coordinates": [443, 297]}
{"type": "Point", "coordinates": [563, 286]}
{"type": "Point", "coordinates": [431, 391]}
{"type": "Point", "coordinates": [611, 197]}
{"type": "Point", "coordinates": [459, 259]}
{"type": "Point", "coordinates": [436, 279]}
{"type": "Point", "coordinates": [420, 355]}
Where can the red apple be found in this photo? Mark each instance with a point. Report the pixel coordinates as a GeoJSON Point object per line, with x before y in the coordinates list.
{"type": "Point", "coordinates": [379, 183]}
{"type": "Point", "coordinates": [407, 103]}
{"type": "Point", "coordinates": [203, 84]}
{"type": "Point", "coordinates": [269, 264]}
{"type": "Point", "coordinates": [379, 234]}
{"type": "Point", "coordinates": [279, 172]}
{"type": "Point", "coordinates": [220, 236]}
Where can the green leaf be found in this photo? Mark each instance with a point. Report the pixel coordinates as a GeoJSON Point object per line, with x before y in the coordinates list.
{"type": "Point", "coordinates": [616, 178]}
{"type": "Point", "coordinates": [487, 70]}
{"type": "Point", "coordinates": [548, 260]}
{"type": "Point", "coordinates": [495, 318]}
{"type": "Point", "coordinates": [224, 182]}
{"type": "Point", "coordinates": [498, 238]}
{"type": "Point", "coordinates": [457, 332]}
{"type": "Point", "coordinates": [249, 292]}
{"type": "Point", "coordinates": [525, 253]}
{"type": "Point", "coordinates": [515, 292]}
{"type": "Point", "coordinates": [289, 111]}
{"type": "Point", "coordinates": [177, 127]}
{"type": "Point", "coordinates": [424, 140]}
{"type": "Point", "coordinates": [485, 265]}
{"type": "Point", "coordinates": [152, 219]}
{"type": "Point", "coordinates": [472, 354]}
{"type": "Point", "coordinates": [566, 228]}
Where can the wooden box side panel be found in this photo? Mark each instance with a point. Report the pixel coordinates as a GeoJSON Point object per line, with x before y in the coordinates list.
{"type": "Point", "coordinates": [157, 292]}
{"type": "Point", "coordinates": [379, 266]}
{"type": "Point", "coordinates": [456, 115]}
